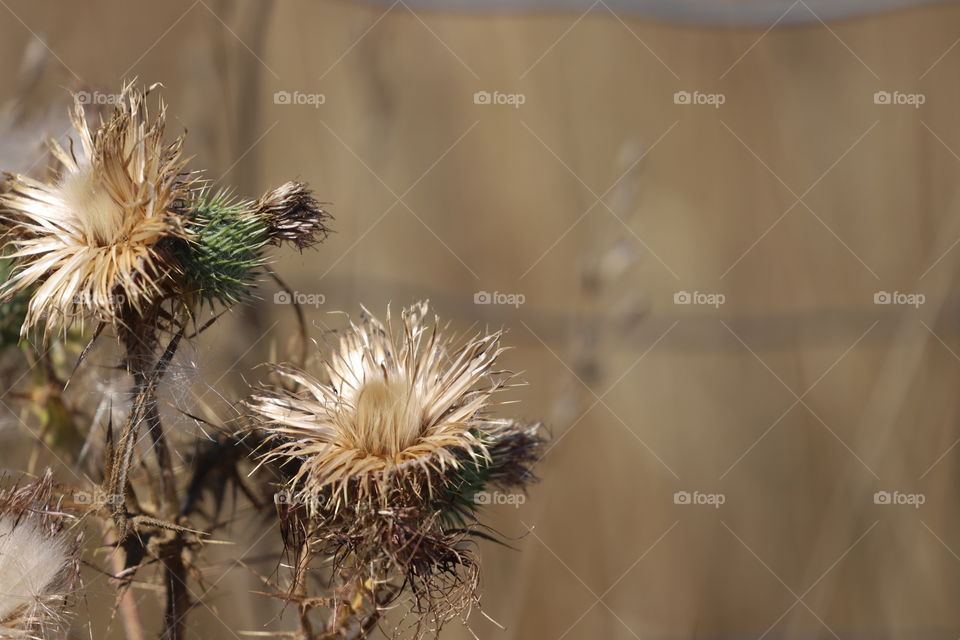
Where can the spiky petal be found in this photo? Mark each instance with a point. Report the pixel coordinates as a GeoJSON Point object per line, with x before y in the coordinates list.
{"type": "Point", "coordinates": [88, 241]}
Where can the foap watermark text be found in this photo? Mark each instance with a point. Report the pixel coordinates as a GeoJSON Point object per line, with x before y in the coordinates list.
{"type": "Point", "coordinates": [496, 97]}
{"type": "Point", "coordinates": [914, 500]}
{"type": "Point", "coordinates": [699, 98]}
{"type": "Point", "coordinates": [899, 98]}
{"type": "Point", "coordinates": [699, 297]}
{"type": "Point", "coordinates": [900, 298]}
{"type": "Point", "coordinates": [496, 497]}
{"type": "Point", "coordinates": [97, 97]}
{"type": "Point", "coordinates": [299, 98]}
{"type": "Point", "coordinates": [297, 297]}
{"type": "Point", "coordinates": [699, 498]}
{"type": "Point", "coordinates": [97, 498]}
{"type": "Point", "coordinates": [498, 297]}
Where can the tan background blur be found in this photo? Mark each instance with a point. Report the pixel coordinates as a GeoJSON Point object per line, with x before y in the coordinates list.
{"type": "Point", "coordinates": [599, 199]}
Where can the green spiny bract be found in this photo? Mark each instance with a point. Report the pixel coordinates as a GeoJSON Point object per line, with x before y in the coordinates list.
{"type": "Point", "coordinates": [222, 255]}
{"type": "Point", "coordinates": [12, 311]}
{"type": "Point", "coordinates": [507, 465]}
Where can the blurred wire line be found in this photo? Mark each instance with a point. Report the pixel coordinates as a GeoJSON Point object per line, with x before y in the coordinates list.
{"type": "Point", "coordinates": [705, 12]}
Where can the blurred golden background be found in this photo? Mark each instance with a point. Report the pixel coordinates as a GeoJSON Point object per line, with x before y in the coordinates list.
{"type": "Point", "coordinates": [796, 184]}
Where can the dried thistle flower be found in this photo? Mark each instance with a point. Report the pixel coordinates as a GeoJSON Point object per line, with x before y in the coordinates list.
{"type": "Point", "coordinates": [39, 564]}
{"type": "Point", "coordinates": [387, 452]}
{"type": "Point", "coordinates": [122, 228]}
{"type": "Point", "coordinates": [89, 239]}
{"type": "Point", "coordinates": [394, 407]}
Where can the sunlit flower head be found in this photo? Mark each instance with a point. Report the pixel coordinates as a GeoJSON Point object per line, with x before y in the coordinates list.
{"type": "Point", "coordinates": [393, 401]}
{"type": "Point", "coordinates": [87, 240]}
{"type": "Point", "coordinates": [386, 456]}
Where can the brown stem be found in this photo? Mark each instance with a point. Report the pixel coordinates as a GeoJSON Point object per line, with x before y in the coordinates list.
{"type": "Point", "coordinates": [178, 600]}
{"type": "Point", "coordinates": [147, 369]}
{"type": "Point", "coordinates": [175, 572]}
{"type": "Point", "coordinates": [126, 603]}
{"type": "Point", "coordinates": [350, 613]}
{"type": "Point", "coordinates": [298, 309]}
{"type": "Point", "coordinates": [299, 588]}
{"type": "Point", "coordinates": [158, 439]}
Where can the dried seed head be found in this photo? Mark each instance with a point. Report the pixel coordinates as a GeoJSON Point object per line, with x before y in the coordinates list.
{"type": "Point", "coordinates": [386, 451]}
{"type": "Point", "coordinates": [29, 566]}
{"type": "Point", "coordinates": [38, 562]}
{"type": "Point", "coordinates": [396, 405]}
{"type": "Point", "coordinates": [87, 240]}
{"type": "Point", "coordinates": [294, 215]}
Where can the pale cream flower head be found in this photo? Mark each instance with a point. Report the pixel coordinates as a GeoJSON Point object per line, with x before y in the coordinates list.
{"type": "Point", "coordinates": [395, 402]}
{"type": "Point", "coordinates": [39, 561]}
{"type": "Point", "coordinates": [31, 564]}
{"type": "Point", "coordinates": [88, 239]}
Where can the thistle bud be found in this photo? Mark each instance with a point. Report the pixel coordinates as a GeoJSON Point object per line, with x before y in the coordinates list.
{"type": "Point", "coordinates": [294, 215]}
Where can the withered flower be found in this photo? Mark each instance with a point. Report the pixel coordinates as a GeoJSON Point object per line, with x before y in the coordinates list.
{"type": "Point", "coordinates": [389, 449]}
{"type": "Point", "coordinates": [88, 241]}
{"type": "Point", "coordinates": [39, 563]}
{"type": "Point", "coordinates": [293, 215]}
{"type": "Point", "coordinates": [122, 227]}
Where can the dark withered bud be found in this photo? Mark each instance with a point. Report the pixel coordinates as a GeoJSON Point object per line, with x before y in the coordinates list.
{"type": "Point", "coordinates": [294, 215]}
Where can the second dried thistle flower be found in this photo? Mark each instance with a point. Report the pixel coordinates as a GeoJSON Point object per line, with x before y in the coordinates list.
{"type": "Point", "coordinates": [385, 451]}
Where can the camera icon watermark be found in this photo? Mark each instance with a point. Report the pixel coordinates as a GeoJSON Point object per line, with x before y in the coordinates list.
{"type": "Point", "coordinates": [510, 299]}
{"type": "Point", "coordinates": [899, 298]}
{"type": "Point", "coordinates": [699, 298]}
{"type": "Point", "coordinates": [914, 500]}
{"type": "Point", "coordinates": [699, 498]}
{"type": "Point", "coordinates": [496, 97]}
{"type": "Point", "coordinates": [297, 297]}
{"type": "Point", "coordinates": [714, 100]}
{"type": "Point", "coordinates": [299, 98]}
{"type": "Point", "coordinates": [899, 98]}
{"type": "Point", "coordinates": [496, 497]}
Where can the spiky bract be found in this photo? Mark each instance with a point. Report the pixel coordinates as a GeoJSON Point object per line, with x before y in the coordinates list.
{"type": "Point", "coordinates": [13, 310]}
{"type": "Point", "coordinates": [222, 255]}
